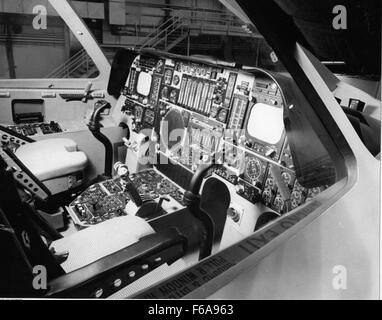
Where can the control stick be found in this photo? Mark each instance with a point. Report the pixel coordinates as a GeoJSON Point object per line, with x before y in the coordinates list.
{"type": "Point", "coordinates": [94, 127]}
{"type": "Point", "coordinates": [147, 207]}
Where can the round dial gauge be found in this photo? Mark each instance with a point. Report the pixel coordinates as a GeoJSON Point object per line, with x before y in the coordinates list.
{"type": "Point", "coordinates": [222, 115]}
{"type": "Point", "coordinates": [269, 183]}
{"type": "Point", "coordinates": [294, 204]}
{"type": "Point", "coordinates": [176, 80]}
{"type": "Point", "coordinates": [287, 177]}
{"type": "Point", "coordinates": [278, 203]}
{"type": "Point", "coordinates": [218, 99]}
{"type": "Point", "coordinates": [296, 195]}
{"type": "Point", "coordinates": [253, 169]}
{"type": "Point", "coordinates": [267, 196]}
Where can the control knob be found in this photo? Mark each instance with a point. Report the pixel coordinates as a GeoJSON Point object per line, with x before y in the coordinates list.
{"type": "Point", "coordinates": [249, 144]}
{"type": "Point", "coordinates": [270, 153]}
{"type": "Point", "coordinates": [233, 214]}
{"type": "Point", "coordinates": [239, 188]}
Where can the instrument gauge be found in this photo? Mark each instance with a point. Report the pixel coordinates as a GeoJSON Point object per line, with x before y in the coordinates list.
{"type": "Point", "coordinates": [253, 169]}
{"type": "Point", "coordinates": [176, 80]}
{"type": "Point", "coordinates": [269, 183]}
{"type": "Point", "coordinates": [218, 99]}
{"type": "Point", "coordinates": [287, 178]}
{"type": "Point", "coordinates": [164, 93]}
{"type": "Point", "coordinates": [138, 113]}
{"type": "Point", "coordinates": [173, 96]}
{"type": "Point", "coordinates": [296, 196]}
{"type": "Point", "coordinates": [278, 203]}
{"type": "Point", "coordinates": [267, 196]}
{"type": "Point", "coordinates": [222, 115]}
{"type": "Point", "coordinates": [296, 199]}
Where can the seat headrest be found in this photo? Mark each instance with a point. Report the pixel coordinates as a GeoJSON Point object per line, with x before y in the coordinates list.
{"type": "Point", "coordinates": [120, 70]}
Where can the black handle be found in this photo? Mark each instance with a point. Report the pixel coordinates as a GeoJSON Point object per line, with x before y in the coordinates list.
{"type": "Point", "coordinates": [99, 107]}
{"type": "Point", "coordinates": [133, 192]}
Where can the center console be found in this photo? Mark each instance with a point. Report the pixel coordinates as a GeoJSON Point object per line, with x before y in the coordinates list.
{"type": "Point", "coordinates": [108, 199]}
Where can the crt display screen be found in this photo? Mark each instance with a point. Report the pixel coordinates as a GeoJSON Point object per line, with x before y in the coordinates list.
{"type": "Point", "coordinates": [144, 83]}
{"type": "Point", "coordinates": [265, 123]}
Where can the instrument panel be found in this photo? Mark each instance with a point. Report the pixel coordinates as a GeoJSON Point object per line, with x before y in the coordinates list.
{"type": "Point", "coordinates": [229, 115]}
{"type": "Point", "coordinates": [108, 199]}
{"type": "Point", "coordinates": [36, 128]}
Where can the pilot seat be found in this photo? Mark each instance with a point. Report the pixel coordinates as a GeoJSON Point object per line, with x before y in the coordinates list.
{"type": "Point", "coordinates": [48, 169]}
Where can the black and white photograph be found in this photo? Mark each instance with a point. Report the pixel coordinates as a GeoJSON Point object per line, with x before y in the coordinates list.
{"type": "Point", "coordinates": [190, 154]}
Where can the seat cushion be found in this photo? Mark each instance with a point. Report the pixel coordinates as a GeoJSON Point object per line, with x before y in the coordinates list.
{"type": "Point", "coordinates": [100, 240]}
{"type": "Point", "coordinates": [52, 158]}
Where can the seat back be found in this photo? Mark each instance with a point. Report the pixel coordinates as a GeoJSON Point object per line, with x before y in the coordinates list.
{"type": "Point", "coordinates": [215, 202]}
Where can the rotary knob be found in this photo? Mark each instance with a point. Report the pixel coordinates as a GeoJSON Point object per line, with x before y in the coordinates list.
{"type": "Point", "coordinates": [239, 188]}
{"type": "Point", "coordinates": [248, 144]}
{"type": "Point", "coordinates": [233, 214]}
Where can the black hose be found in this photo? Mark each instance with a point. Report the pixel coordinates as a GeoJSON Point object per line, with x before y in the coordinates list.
{"type": "Point", "coordinates": [108, 151]}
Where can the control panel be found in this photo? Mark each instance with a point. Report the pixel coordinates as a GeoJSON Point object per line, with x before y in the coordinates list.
{"type": "Point", "coordinates": [38, 128]}
{"type": "Point", "coordinates": [222, 114]}
{"type": "Point", "coordinates": [108, 199]}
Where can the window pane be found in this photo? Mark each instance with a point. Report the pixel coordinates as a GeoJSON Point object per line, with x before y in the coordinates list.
{"type": "Point", "coordinates": [52, 51]}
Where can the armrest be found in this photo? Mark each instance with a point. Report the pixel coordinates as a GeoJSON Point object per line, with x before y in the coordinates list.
{"type": "Point", "coordinates": [127, 265]}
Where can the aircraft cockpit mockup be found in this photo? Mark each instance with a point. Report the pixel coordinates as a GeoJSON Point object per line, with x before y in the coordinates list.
{"type": "Point", "coordinates": [181, 174]}
{"type": "Point", "coordinates": [186, 114]}
{"type": "Point", "coordinates": [207, 153]}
